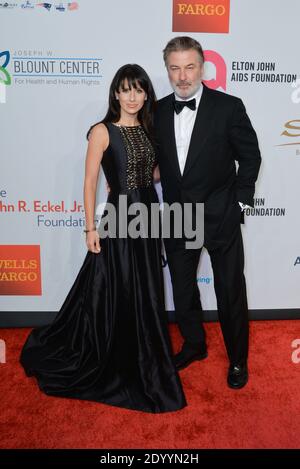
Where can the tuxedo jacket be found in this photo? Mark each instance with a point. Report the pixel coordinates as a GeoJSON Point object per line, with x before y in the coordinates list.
{"type": "Point", "coordinates": [222, 135]}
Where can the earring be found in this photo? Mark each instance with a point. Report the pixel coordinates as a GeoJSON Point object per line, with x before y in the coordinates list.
{"type": "Point", "coordinates": [117, 97]}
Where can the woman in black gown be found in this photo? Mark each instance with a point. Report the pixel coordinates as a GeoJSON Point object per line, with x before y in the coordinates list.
{"type": "Point", "coordinates": [109, 342]}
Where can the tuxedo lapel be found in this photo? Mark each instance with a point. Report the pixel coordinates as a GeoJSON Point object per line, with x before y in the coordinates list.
{"type": "Point", "coordinates": [168, 132]}
{"type": "Point", "coordinates": [201, 128]}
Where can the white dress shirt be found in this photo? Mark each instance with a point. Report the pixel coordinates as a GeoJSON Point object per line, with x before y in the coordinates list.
{"type": "Point", "coordinates": [183, 125]}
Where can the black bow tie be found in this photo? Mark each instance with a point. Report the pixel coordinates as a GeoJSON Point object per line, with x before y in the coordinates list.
{"type": "Point", "coordinates": [179, 105]}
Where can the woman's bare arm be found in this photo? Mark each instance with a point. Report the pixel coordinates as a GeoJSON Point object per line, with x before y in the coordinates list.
{"type": "Point", "coordinates": [98, 142]}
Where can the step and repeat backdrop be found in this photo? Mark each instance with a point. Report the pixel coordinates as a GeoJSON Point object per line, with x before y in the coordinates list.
{"type": "Point", "coordinates": [56, 64]}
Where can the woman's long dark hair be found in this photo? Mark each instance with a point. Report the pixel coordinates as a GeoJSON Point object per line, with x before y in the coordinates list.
{"type": "Point", "coordinates": [135, 76]}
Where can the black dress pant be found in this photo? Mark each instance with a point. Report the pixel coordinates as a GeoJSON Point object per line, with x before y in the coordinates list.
{"type": "Point", "coordinates": [230, 288]}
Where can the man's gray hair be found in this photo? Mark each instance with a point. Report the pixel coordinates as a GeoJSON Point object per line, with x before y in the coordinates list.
{"type": "Point", "coordinates": [182, 43]}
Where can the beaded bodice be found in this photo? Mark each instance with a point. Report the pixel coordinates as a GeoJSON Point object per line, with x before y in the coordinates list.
{"type": "Point", "coordinates": [140, 157]}
{"type": "Point", "coordinates": [129, 160]}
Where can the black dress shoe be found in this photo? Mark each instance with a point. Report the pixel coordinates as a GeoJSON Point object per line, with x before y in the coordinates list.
{"type": "Point", "coordinates": [237, 376]}
{"type": "Point", "coordinates": [188, 355]}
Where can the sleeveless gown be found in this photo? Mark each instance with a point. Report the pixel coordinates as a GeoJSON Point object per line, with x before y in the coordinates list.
{"type": "Point", "coordinates": [109, 342]}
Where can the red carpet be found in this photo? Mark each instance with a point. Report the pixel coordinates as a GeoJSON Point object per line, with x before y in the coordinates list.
{"type": "Point", "coordinates": [264, 414]}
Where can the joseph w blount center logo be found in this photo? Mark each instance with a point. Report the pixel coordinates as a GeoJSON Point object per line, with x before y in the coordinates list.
{"type": "Point", "coordinates": [5, 78]}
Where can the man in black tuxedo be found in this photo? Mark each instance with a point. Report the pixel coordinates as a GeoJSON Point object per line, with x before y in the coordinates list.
{"type": "Point", "coordinates": [201, 134]}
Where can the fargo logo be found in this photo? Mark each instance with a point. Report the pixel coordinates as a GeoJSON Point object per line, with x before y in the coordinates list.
{"type": "Point", "coordinates": [5, 78]}
{"type": "Point", "coordinates": [207, 16]}
{"type": "Point", "coordinates": [20, 270]}
{"type": "Point", "coordinates": [215, 70]}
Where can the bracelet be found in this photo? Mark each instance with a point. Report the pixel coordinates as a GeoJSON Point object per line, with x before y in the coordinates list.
{"type": "Point", "coordinates": [87, 231]}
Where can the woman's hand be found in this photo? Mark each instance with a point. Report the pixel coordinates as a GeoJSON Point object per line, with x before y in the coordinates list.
{"type": "Point", "coordinates": [93, 241]}
{"type": "Point", "coordinates": [156, 174]}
